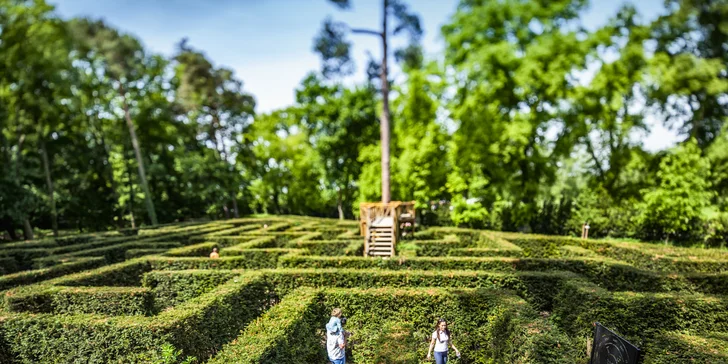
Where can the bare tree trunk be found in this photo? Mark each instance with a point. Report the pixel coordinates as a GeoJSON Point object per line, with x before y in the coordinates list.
{"type": "Point", "coordinates": [140, 162]}
{"type": "Point", "coordinates": [27, 229]}
{"type": "Point", "coordinates": [338, 203]}
{"type": "Point", "coordinates": [131, 191]}
{"type": "Point", "coordinates": [226, 211]}
{"type": "Point", "coordinates": [384, 125]}
{"type": "Point", "coordinates": [236, 212]}
{"type": "Point", "coordinates": [49, 183]}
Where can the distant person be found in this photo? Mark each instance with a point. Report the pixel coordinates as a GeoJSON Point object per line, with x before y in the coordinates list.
{"type": "Point", "coordinates": [336, 343]}
{"type": "Point", "coordinates": [441, 340]}
{"type": "Point", "coordinates": [214, 254]}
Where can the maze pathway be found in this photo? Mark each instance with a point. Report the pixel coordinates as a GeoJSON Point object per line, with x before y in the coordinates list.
{"type": "Point", "coordinates": [156, 297]}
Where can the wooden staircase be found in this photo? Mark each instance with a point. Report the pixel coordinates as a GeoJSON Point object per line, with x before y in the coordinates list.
{"type": "Point", "coordinates": [381, 237]}
{"type": "Point", "coordinates": [380, 225]}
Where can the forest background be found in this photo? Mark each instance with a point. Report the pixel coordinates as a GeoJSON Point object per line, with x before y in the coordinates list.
{"type": "Point", "coordinates": [528, 121]}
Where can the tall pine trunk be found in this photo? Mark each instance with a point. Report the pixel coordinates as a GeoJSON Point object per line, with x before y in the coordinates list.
{"type": "Point", "coordinates": [49, 184]}
{"type": "Point", "coordinates": [140, 161]}
{"type": "Point", "coordinates": [384, 125]}
{"type": "Point", "coordinates": [131, 191]}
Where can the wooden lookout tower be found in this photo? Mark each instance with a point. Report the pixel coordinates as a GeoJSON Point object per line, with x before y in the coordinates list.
{"type": "Point", "coordinates": [380, 225]}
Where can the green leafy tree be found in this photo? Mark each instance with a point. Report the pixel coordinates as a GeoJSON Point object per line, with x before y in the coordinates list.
{"type": "Point", "coordinates": [690, 66]}
{"type": "Point", "coordinates": [341, 121]}
{"type": "Point", "coordinates": [123, 57]}
{"type": "Point", "coordinates": [214, 100]}
{"type": "Point", "coordinates": [673, 210]}
{"type": "Point", "coordinates": [513, 83]}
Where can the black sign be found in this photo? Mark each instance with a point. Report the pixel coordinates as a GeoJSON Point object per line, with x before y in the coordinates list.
{"type": "Point", "coordinates": [610, 348]}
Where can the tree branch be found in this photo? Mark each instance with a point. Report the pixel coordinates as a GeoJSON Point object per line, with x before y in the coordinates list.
{"type": "Point", "coordinates": [366, 31]}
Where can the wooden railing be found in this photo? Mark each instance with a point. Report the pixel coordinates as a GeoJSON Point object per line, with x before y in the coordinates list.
{"type": "Point", "coordinates": [369, 211]}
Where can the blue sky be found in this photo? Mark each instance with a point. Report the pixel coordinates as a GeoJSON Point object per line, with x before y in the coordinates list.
{"type": "Point", "coordinates": [269, 42]}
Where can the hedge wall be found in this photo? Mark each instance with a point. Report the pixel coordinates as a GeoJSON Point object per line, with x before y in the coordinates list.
{"type": "Point", "coordinates": [198, 327]}
{"type": "Point", "coordinates": [677, 347]}
{"type": "Point", "coordinates": [117, 253]}
{"type": "Point", "coordinates": [539, 288]}
{"type": "Point", "coordinates": [391, 324]}
{"type": "Point", "coordinates": [75, 300]}
{"type": "Point", "coordinates": [174, 287]}
{"type": "Point", "coordinates": [484, 252]}
{"type": "Point", "coordinates": [288, 333]}
{"type": "Point", "coordinates": [33, 276]}
{"type": "Point", "coordinates": [329, 247]}
{"type": "Point", "coordinates": [196, 250]}
{"type": "Point", "coordinates": [137, 253]}
{"type": "Point", "coordinates": [125, 274]}
{"type": "Point", "coordinates": [8, 265]}
{"type": "Point", "coordinates": [638, 316]}
{"type": "Point", "coordinates": [645, 256]}
{"type": "Point", "coordinates": [246, 259]}
{"type": "Point", "coordinates": [606, 273]}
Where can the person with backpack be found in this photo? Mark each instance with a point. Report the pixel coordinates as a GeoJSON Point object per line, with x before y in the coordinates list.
{"type": "Point", "coordinates": [441, 340]}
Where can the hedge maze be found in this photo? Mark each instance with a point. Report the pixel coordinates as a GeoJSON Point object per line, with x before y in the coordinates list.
{"type": "Point", "coordinates": [154, 296]}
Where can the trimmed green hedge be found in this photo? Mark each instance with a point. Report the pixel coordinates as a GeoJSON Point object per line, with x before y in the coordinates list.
{"type": "Point", "coordinates": [329, 247]}
{"type": "Point", "coordinates": [117, 253]}
{"type": "Point", "coordinates": [487, 325]}
{"type": "Point", "coordinates": [73, 240]}
{"type": "Point", "coordinates": [266, 242]}
{"type": "Point", "coordinates": [677, 347]}
{"type": "Point", "coordinates": [33, 276]}
{"type": "Point", "coordinates": [287, 333]}
{"type": "Point", "coordinates": [195, 250]}
{"type": "Point", "coordinates": [174, 287]}
{"type": "Point", "coordinates": [198, 327]}
{"type": "Point", "coordinates": [247, 259]}
{"type": "Point", "coordinates": [8, 265]}
{"type": "Point", "coordinates": [436, 248]}
{"type": "Point", "coordinates": [75, 300]}
{"type": "Point", "coordinates": [539, 288]}
{"type": "Point", "coordinates": [604, 272]}
{"type": "Point", "coordinates": [125, 274]}
{"type": "Point", "coordinates": [638, 316]}
{"type": "Point", "coordinates": [484, 252]}
{"type": "Point", "coordinates": [137, 253]}
{"type": "Point", "coordinates": [645, 256]}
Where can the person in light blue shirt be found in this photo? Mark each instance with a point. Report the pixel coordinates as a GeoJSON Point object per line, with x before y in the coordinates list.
{"type": "Point", "coordinates": [334, 325]}
{"type": "Point", "coordinates": [336, 338]}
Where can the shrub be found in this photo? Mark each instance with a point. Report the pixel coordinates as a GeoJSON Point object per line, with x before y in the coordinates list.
{"type": "Point", "coordinates": [678, 347]}
{"type": "Point", "coordinates": [329, 247]}
{"type": "Point", "coordinates": [245, 259]}
{"type": "Point", "coordinates": [33, 276]}
{"type": "Point", "coordinates": [287, 333]}
{"type": "Point", "coordinates": [75, 300]}
{"type": "Point", "coordinates": [468, 214]}
{"type": "Point", "coordinates": [173, 287]}
{"type": "Point", "coordinates": [638, 316]}
{"type": "Point", "coordinates": [197, 327]}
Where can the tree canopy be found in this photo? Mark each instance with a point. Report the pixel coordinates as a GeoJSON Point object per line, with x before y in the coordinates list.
{"type": "Point", "coordinates": [528, 121]}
